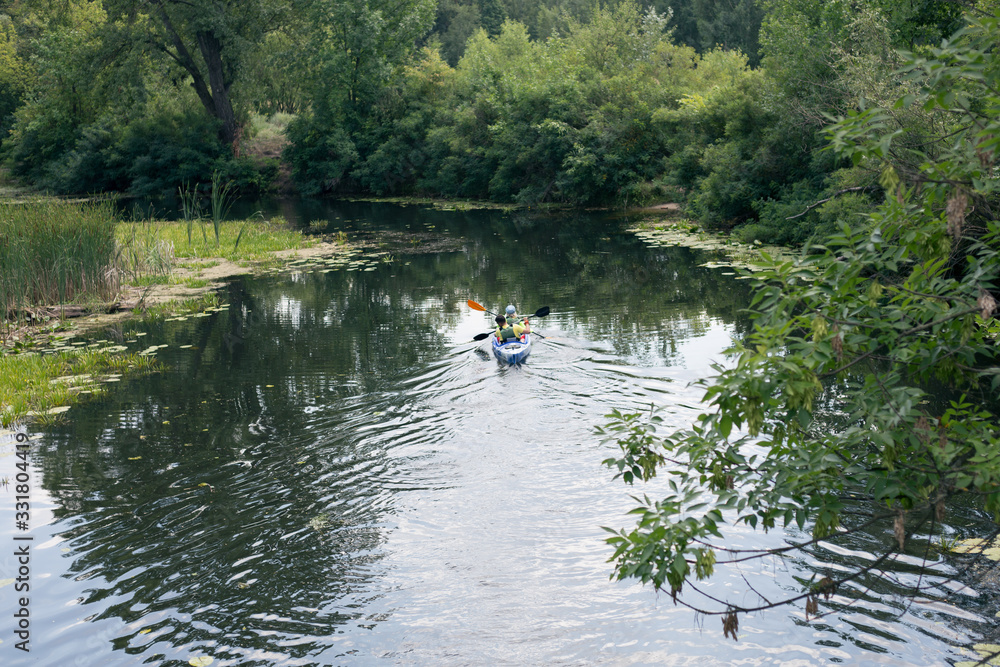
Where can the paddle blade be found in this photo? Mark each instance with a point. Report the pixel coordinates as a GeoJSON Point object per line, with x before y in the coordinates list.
{"type": "Point", "coordinates": [475, 306]}
{"type": "Point", "coordinates": [542, 312]}
{"type": "Point", "coordinates": [482, 336]}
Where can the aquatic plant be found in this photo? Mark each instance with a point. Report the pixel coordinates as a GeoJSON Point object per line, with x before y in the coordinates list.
{"type": "Point", "coordinates": [55, 252]}
{"type": "Point", "coordinates": [222, 200]}
{"type": "Point", "coordinates": [43, 385]}
{"type": "Point", "coordinates": [190, 207]}
{"type": "Point", "coordinates": [142, 256]}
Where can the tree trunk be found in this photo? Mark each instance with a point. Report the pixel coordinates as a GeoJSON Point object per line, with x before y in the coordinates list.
{"type": "Point", "coordinates": [184, 59]}
{"type": "Point", "coordinates": [222, 105]}
{"type": "Point", "coordinates": [214, 95]}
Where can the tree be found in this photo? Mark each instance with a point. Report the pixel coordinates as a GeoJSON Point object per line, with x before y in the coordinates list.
{"type": "Point", "coordinates": [864, 396]}
{"type": "Point", "coordinates": [356, 47]}
{"type": "Point", "coordinates": [13, 74]}
{"type": "Point", "coordinates": [493, 16]}
{"type": "Point", "coordinates": [210, 40]}
{"type": "Point", "coordinates": [456, 22]}
{"type": "Point", "coordinates": [356, 53]}
{"type": "Point", "coordinates": [704, 25]}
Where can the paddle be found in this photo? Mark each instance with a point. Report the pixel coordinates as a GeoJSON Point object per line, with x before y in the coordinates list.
{"type": "Point", "coordinates": [541, 312]}
{"type": "Point", "coordinates": [484, 336]}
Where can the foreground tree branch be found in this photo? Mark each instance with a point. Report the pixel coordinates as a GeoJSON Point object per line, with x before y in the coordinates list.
{"type": "Point", "coordinates": [865, 325]}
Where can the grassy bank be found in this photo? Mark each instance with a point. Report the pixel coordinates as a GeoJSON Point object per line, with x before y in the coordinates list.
{"type": "Point", "coordinates": [241, 241]}
{"type": "Point", "coordinates": [57, 253]}
{"type": "Point", "coordinates": [54, 252]}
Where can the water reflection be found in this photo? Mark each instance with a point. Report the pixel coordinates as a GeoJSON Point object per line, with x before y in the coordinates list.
{"type": "Point", "coordinates": [330, 475]}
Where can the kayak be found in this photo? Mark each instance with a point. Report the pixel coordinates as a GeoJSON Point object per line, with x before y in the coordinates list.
{"type": "Point", "coordinates": [513, 351]}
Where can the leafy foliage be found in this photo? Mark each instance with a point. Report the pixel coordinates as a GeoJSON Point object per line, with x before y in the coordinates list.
{"type": "Point", "coordinates": [568, 119]}
{"type": "Point", "coordinates": [562, 100]}
{"type": "Point", "coordinates": [13, 74]}
{"type": "Point", "coordinates": [825, 418]}
{"type": "Point", "coordinates": [102, 99]}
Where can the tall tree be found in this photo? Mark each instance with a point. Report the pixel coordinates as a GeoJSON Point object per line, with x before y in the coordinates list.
{"type": "Point", "coordinates": [493, 15]}
{"type": "Point", "coordinates": [211, 40]}
{"type": "Point", "coordinates": [455, 23]}
{"type": "Point", "coordinates": [707, 24]}
{"type": "Point", "coordinates": [356, 47]}
{"type": "Point", "coordinates": [356, 50]}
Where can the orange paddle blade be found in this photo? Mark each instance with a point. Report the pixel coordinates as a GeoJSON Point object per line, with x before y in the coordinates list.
{"type": "Point", "coordinates": [475, 306]}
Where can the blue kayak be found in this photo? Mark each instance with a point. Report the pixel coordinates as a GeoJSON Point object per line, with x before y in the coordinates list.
{"type": "Point", "coordinates": [513, 351]}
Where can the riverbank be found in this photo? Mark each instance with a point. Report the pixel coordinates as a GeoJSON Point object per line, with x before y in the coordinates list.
{"type": "Point", "coordinates": [67, 332]}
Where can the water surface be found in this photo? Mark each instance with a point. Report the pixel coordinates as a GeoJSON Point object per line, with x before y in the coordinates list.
{"type": "Point", "coordinates": [334, 473]}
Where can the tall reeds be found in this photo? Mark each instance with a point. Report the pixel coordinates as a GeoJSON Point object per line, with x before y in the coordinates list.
{"type": "Point", "coordinates": [223, 196]}
{"type": "Point", "coordinates": [54, 252]}
{"type": "Point", "coordinates": [141, 252]}
{"type": "Point", "coordinates": [190, 207]}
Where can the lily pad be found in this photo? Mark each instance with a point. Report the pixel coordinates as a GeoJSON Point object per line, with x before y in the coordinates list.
{"type": "Point", "coordinates": [319, 522]}
{"type": "Point", "coordinates": [977, 545]}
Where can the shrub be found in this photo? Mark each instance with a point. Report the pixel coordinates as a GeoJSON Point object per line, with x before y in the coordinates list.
{"type": "Point", "coordinates": [320, 156]}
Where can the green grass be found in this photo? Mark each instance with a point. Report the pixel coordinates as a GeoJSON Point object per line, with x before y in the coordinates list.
{"type": "Point", "coordinates": [160, 311]}
{"type": "Point", "coordinates": [33, 384]}
{"type": "Point", "coordinates": [55, 252]}
{"type": "Point", "coordinates": [146, 281]}
{"type": "Point", "coordinates": [258, 239]}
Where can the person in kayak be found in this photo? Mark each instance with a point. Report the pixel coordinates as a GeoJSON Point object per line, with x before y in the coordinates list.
{"type": "Point", "coordinates": [508, 328]}
{"type": "Point", "coordinates": [512, 319]}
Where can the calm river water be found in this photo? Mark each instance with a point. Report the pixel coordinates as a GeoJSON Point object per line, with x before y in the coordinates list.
{"type": "Point", "coordinates": [333, 473]}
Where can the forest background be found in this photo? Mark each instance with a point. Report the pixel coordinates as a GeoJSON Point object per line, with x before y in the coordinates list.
{"type": "Point", "coordinates": [716, 104]}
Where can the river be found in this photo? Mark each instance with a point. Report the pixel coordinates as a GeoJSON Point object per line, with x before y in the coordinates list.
{"type": "Point", "coordinates": [331, 472]}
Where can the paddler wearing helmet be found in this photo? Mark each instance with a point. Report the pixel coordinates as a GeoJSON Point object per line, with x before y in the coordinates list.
{"type": "Point", "coordinates": [509, 328]}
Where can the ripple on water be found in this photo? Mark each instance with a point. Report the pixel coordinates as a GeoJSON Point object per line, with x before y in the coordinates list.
{"type": "Point", "coordinates": [320, 483]}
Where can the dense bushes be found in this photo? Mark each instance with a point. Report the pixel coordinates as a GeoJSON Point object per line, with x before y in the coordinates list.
{"type": "Point", "coordinates": [567, 119]}
{"type": "Point", "coordinates": [91, 107]}
{"type": "Point", "coordinates": [150, 157]}
{"type": "Point", "coordinates": [612, 111]}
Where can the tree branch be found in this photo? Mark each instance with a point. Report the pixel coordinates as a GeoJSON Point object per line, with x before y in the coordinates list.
{"type": "Point", "coordinates": [908, 332]}
{"type": "Point", "coordinates": [184, 58]}
{"type": "Point", "coordinates": [833, 196]}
